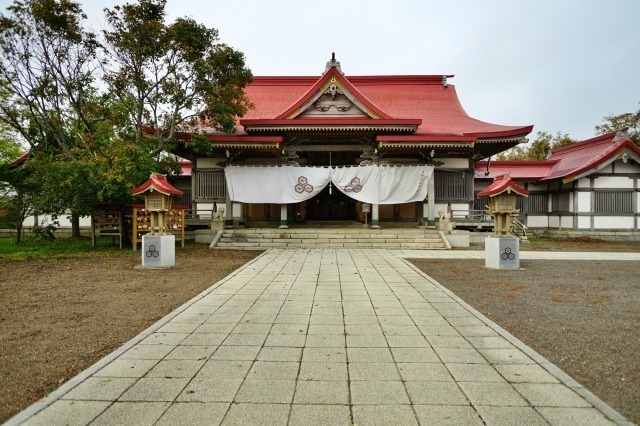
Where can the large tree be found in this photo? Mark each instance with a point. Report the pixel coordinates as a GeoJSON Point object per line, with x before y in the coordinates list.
{"type": "Point", "coordinates": [629, 120]}
{"type": "Point", "coordinates": [171, 76]}
{"type": "Point", "coordinates": [538, 149]}
{"type": "Point", "coordinates": [47, 60]}
{"type": "Point", "coordinates": [46, 65]}
{"type": "Point", "coordinates": [93, 142]}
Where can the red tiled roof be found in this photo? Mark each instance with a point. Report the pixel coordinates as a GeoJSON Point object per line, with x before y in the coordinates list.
{"type": "Point", "coordinates": [502, 184]}
{"type": "Point", "coordinates": [21, 160]}
{"type": "Point", "coordinates": [159, 183]}
{"type": "Point", "coordinates": [185, 168]}
{"type": "Point", "coordinates": [564, 163]}
{"type": "Point", "coordinates": [519, 170]}
{"type": "Point", "coordinates": [409, 97]}
{"type": "Point", "coordinates": [582, 156]}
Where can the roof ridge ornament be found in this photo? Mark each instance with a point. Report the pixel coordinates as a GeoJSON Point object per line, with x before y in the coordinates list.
{"type": "Point", "coordinates": [333, 64]}
{"type": "Point", "coordinates": [621, 134]}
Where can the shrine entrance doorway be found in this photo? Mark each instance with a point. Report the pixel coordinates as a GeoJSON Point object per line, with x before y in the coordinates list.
{"type": "Point", "coordinates": [331, 206]}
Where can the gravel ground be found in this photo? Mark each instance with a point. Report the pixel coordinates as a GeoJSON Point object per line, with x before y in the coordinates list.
{"type": "Point", "coordinates": [58, 317]}
{"type": "Point", "coordinates": [582, 316]}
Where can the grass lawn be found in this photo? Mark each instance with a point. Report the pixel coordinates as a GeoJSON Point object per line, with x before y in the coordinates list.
{"type": "Point", "coordinates": [58, 248]}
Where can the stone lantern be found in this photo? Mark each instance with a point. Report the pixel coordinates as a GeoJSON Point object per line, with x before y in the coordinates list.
{"type": "Point", "coordinates": [502, 249]}
{"type": "Point", "coordinates": [158, 246]}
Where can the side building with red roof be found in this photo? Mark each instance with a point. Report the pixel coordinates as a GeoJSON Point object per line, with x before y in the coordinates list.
{"type": "Point", "coordinates": [592, 185]}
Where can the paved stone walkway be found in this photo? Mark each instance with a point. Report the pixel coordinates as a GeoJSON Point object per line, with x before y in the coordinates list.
{"type": "Point", "coordinates": [323, 337]}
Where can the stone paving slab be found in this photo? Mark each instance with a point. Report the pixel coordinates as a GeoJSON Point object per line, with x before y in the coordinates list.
{"type": "Point", "coordinates": [332, 336]}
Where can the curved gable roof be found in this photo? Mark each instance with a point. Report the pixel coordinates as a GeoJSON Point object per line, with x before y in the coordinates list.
{"type": "Point", "coordinates": [408, 97]}
{"type": "Point", "coordinates": [333, 74]}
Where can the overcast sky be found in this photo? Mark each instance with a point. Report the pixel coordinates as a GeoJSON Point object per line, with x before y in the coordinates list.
{"type": "Point", "coordinates": [557, 64]}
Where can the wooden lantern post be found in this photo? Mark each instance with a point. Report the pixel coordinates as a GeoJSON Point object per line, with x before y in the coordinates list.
{"type": "Point", "coordinates": [502, 249]}
{"type": "Point", "coordinates": [158, 246]}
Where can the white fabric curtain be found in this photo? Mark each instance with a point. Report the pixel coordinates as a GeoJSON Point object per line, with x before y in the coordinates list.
{"type": "Point", "coordinates": [383, 184]}
{"type": "Point", "coordinates": [374, 184]}
{"type": "Point", "coordinates": [275, 184]}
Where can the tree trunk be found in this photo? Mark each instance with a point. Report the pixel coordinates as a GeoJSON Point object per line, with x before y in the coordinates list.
{"type": "Point", "coordinates": [18, 233]}
{"type": "Point", "coordinates": [75, 225]}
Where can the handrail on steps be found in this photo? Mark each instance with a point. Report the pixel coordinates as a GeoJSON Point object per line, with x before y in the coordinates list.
{"type": "Point", "coordinates": [516, 222]}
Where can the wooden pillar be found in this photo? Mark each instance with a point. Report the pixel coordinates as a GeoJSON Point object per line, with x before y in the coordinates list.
{"type": "Point", "coordinates": [375, 217]}
{"type": "Point", "coordinates": [194, 204]}
{"type": "Point", "coordinates": [425, 212]}
{"type": "Point", "coordinates": [228, 211]}
{"type": "Point", "coordinates": [431, 200]}
{"type": "Point", "coordinates": [93, 229]}
{"type": "Point", "coordinates": [283, 216]}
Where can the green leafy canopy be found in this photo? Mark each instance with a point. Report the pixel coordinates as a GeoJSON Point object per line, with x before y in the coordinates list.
{"type": "Point", "coordinates": [100, 111]}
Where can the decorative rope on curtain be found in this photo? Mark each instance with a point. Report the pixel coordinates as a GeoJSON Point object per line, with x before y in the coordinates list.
{"type": "Point", "coordinates": [374, 184]}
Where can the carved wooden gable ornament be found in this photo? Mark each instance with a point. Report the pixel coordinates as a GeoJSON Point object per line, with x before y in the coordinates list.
{"type": "Point", "coordinates": [334, 96]}
{"type": "Point", "coordinates": [333, 99]}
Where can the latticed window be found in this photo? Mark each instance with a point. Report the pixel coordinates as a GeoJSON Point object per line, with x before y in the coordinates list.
{"type": "Point", "coordinates": [614, 202]}
{"type": "Point", "coordinates": [182, 200]}
{"type": "Point", "coordinates": [154, 201]}
{"type": "Point", "coordinates": [561, 201]}
{"type": "Point", "coordinates": [210, 185]}
{"type": "Point", "coordinates": [481, 203]}
{"type": "Point", "coordinates": [538, 202]}
{"type": "Point", "coordinates": [450, 186]}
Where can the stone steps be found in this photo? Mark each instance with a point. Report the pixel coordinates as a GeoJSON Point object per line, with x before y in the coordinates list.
{"type": "Point", "coordinates": [263, 238]}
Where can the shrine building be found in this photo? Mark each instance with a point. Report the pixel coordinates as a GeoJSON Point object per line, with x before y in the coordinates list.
{"type": "Point", "coordinates": [319, 148]}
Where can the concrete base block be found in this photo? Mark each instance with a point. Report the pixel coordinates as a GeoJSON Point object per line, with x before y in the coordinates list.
{"type": "Point", "coordinates": [158, 251]}
{"type": "Point", "coordinates": [458, 238]}
{"type": "Point", "coordinates": [502, 253]}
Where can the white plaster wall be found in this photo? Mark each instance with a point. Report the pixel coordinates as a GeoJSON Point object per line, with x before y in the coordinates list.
{"type": "Point", "coordinates": [464, 207]}
{"type": "Point", "coordinates": [584, 201]}
{"type": "Point", "coordinates": [630, 167]}
{"type": "Point", "coordinates": [438, 206]}
{"type": "Point", "coordinates": [65, 221]}
{"type": "Point", "coordinates": [554, 221]}
{"type": "Point", "coordinates": [205, 209]}
{"type": "Point", "coordinates": [613, 182]}
{"type": "Point", "coordinates": [584, 222]}
{"type": "Point", "coordinates": [567, 222]}
{"type": "Point", "coordinates": [584, 183]}
{"type": "Point", "coordinates": [454, 163]}
{"type": "Point", "coordinates": [538, 221]}
{"type": "Point", "coordinates": [608, 169]}
{"type": "Point", "coordinates": [613, 222]}
{"type": "Point", "coordinates": [571, 197]}
{"type": "Point", "coordinates": [208, 163]}
{"type": "Point", "coordinates": [237, 210]}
